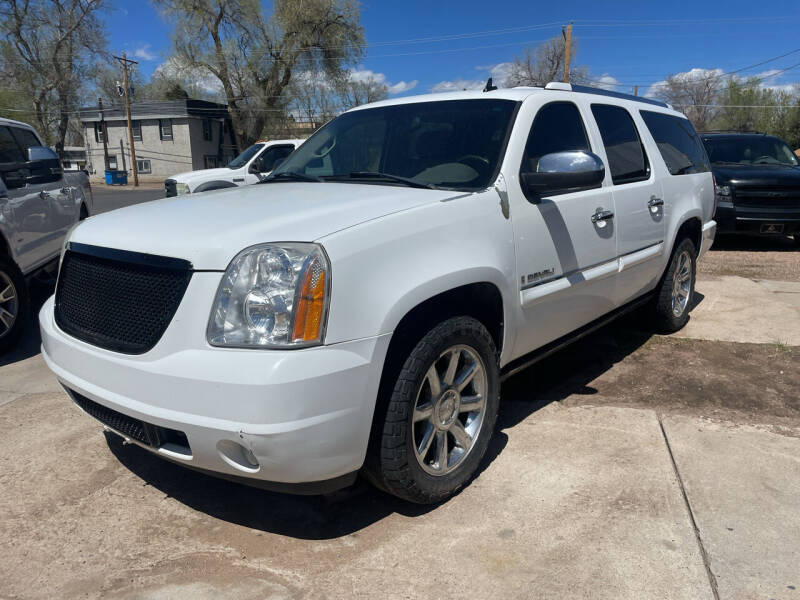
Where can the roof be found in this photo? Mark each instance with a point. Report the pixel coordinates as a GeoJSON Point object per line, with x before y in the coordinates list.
{"type": "Point", "coordinates": [735, 135]}
{"type": "Point", "coordinates": [157, 110]}
{"type": "Point", "coordinates": [517, 94]}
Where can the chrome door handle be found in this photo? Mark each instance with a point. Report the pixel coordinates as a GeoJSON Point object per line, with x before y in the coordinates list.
{"type": "Point", "coordinates": [654, 203]}
{"type": "Point", "coordinates": [44, 195]}
{"type": "Point", "coordinates": [601, 216]}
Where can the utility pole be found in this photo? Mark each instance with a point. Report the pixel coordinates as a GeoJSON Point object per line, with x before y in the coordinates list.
{"type": "Point", "coordinates": [636, 90]}
{"type": "Point", "coordinates": [567, 50]}
{"type": "Point", "coordinates": [126, 90]}
{"type": "Point", "coordinates": [105, 133]}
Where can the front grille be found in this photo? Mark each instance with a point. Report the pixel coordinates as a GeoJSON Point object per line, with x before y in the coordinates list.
{"type": "Point", "coordinates": [768, 197]}
{"type": "Point", "coordinates": [145, 433]}
{"type": "Point", "coordinates": [170, 188]}
{"type": "Point", "coordinates": [118, 300]}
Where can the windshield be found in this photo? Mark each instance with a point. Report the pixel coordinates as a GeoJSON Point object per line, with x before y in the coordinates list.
{"type": "Point", "coordinates": [245, 156]}
{"type": "Point", "coordinates": [455, 144]}
{"type": "Point", "coordinates": [750, 150]}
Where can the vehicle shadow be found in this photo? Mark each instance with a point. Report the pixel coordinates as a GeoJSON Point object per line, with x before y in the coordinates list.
{"type": "Point", "coordinates": [754, 243]}
{"type": "Point", "coordinates": [553, 379]}
{"type": "Point", "coordinates": [30, 342]}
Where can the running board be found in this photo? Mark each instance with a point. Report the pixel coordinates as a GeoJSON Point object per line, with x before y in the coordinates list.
{"type": "Point", "coordinates": [523, 362]}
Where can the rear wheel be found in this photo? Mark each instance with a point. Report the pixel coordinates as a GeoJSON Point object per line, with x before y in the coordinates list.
{"type": "Point", "coordinates": [676, 289]}
{"type": "Point", "coordinates": [441, 414]}
{"type": "Point", "coordinates": [13, 304]}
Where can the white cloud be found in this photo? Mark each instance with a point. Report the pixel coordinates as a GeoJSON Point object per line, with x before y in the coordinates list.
{"type": "Point", "coordinates": [769, 80]}
{"type": "Point", "coordinates": [174, 68]}
{"type": "Point", "coordinates": [144, 52]}
{"type": "Point", "coordinates": [606, 82]}
{"type": "Point", "coordinates": [402, 86]}
{"type": "Point", "coordinates": [456, 85]}
{"type": "Point", "coordinates": [361, 75]}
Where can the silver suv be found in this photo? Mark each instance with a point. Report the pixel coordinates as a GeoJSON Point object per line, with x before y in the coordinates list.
{"type": "Point", "coordinates": [37, 209]}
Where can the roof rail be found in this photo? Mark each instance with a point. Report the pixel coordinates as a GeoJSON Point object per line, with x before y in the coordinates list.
{"type": "Point", "coordinates": [733, 131]}
{"type": "Point", "coordinates": [585, 89]}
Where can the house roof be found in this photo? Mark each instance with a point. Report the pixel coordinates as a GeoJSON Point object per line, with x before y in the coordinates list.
{"type": "Point", "coordinates": [157, 110]}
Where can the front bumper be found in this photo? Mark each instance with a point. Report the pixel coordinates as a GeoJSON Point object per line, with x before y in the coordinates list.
{"type": "Point", "coordinates": [738, 219]}
{"type": "Point", "coordinates": [303, 415]}
{"type": "Point", "coordinates": [708, 233]}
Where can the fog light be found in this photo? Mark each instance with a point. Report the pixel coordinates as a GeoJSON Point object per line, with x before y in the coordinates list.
{"type": "Point", "coordinates": [238, 456]}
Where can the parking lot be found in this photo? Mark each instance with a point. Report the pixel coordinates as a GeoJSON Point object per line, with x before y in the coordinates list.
{"type": "Point", "coordinates": [630, 465]}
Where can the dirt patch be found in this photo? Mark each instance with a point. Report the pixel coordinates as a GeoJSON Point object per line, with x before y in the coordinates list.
{"type": "Point", "coordinates": [753, 257]}
{"type": "Point", "coordinates": [624, 366]}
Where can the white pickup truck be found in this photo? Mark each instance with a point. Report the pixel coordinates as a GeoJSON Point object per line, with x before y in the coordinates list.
{"type": "Point", "coordinates": [251, 166]}
{"type": "Point", "coordinates": [356, 312]}
{"type": "Point", "coordinates": [38, 206]}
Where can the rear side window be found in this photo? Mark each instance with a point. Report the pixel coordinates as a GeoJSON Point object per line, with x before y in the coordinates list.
{"type": "Point", "coordinates": [626, 157]}
{"type": "Point", "coordinates": [9, 149]}
{"type": "Point", "coordinates": [558, 127]}
{"type": "Point", "coordinates": [678, 143]}
{"type": "Point", "coordinates": [25, 138]}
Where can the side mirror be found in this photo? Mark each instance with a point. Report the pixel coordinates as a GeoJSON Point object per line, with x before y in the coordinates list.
{"type": "Point", "coordinates": [255, 167]}
{"type": "Point", "coordinates": [43, 164]}
{"type": "Point", "coordinates": [563, 172]}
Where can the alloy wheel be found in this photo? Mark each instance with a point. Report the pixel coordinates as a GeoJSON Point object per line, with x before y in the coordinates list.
{"type": "Point", "coordinates": [9, 304]}
{"type": "Point", "coordinates": [449, 410]}
{"type": "Point", "coordinates": [681, 283]}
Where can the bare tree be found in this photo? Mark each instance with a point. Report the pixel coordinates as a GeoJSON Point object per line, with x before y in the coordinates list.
{"type": "Point", "coordinates": [47, 52]}
{"type": "Point", "coordinates": [355, 92]}
{"type": "Point", "coordinates": [254, 56]}
{"type": "Point", "coordinates": [694, 93]}
{"type": "Point", "coordinates": [545, 63]}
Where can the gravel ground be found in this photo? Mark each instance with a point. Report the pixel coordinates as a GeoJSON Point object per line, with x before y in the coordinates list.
{"type": "Point", "coordinates": [776, 258]}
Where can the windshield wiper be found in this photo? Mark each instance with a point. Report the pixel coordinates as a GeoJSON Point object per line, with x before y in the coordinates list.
{"type": "Point", "coordinates": [291, 176]}
{"type": "Point", "coordinates": [389, 177]}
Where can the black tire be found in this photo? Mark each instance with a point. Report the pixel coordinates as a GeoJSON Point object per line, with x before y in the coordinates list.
{"type": "Point", "coordinates": [19, 306]}
{"type": "Point", "coordinates": [394, 467]}
{"type": "Point", "coordinates": [796, 238]}
{"type": "Point", "coordinates": [84, 213]}
{"type": "Point", "coordinates": [669, 316]}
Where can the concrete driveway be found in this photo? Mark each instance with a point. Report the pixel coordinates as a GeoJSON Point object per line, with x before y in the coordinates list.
{"type": "Point", "coordinates": [628, 466]}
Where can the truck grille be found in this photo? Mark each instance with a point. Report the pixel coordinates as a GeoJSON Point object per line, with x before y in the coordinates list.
{"type": "Point", "coordinates": [145, 433]}
{"type": "Point", "coordinates": [118, 300]}
{"type": "Point", "coordinates": [768, 197]}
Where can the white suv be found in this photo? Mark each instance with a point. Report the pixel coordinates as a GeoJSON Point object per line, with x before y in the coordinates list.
{"type": "Point", "coordinates": [251, 166]}
{"type": "Point", "coordinates": [358, 310]}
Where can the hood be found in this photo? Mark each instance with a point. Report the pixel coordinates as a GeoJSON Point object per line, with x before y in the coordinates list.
{"type": "Point", "coordinates": [191, 177]}
{"type": "Point", "coordinates": [766, 175]}
{"type": "Point", "coordinates": [211, 228]}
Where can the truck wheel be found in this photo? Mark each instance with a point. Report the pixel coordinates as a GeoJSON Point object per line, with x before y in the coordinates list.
{"type": "Point", "coordinates": [13, 304]}
{"type": "Point", "coordinates": [441, 413]}
{"type": "Point", "coordinates": [674, 294]}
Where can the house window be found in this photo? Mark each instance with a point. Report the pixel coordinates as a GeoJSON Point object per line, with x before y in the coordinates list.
{"type": "Point", "coordinates": [98, 132]}
{"type": "Point", "coordinates": [143, 166]}
{"type": "Point", "coordinates": [210, 162]}
{"type": "Point", "coordinates": [136, 127]}
{"type": "Point", "coordinates": [112, 162]}
{"type": "Point", "coordinates": [207, 135]}
{"type": "Point", "coordinates": [165, 129]}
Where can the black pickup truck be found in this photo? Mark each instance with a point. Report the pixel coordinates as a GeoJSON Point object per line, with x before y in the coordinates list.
{"type": "Point", "coordinates": [758, 184]}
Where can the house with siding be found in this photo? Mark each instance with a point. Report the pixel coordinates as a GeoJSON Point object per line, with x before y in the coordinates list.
{"type": "Point", "coordinates": [169, 137]}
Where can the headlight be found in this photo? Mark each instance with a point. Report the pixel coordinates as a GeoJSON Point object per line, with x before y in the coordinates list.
{"type": "Point", "coordinates": [272, 295]}
{"type": "Point", "coordinates": [181, 188]}
{"type": "Point", "coordinates": [723, 190]}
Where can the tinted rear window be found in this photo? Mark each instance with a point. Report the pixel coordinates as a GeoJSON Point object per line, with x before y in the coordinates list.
{"type": "Point", "coordinates": [678, 143]}
{"type": "Point", "coordinates": [9, 149]}
{"type": "Point", "coordinates": [26, 138]}
{"type": "Point", "coordinates": [626, 158]}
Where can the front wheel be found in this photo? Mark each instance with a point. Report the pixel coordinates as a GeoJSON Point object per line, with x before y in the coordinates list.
{"type": "Point", "coordinates": [674, 294]}
{"type": "Point", "coordinates": [441, 413]}
{"type": "Point", "coordinates": [13, 304]}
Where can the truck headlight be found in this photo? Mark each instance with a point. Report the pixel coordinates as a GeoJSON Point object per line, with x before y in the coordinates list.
{"type": "Point", "coordinates": [181, 188]}
{"type": "Point", "coordinates": [272, 295]}
{"type": "Point", "coordinates": [723, 190]}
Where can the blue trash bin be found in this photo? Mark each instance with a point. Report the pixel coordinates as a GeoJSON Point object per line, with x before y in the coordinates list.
{"type": "Point", "coordinates": [114, 177]}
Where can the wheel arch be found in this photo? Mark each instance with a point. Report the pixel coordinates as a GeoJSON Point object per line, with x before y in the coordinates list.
{"type": "Point", "coordinates": [213, 185]}
{"type": "Point", "coordinates": [691, 227]}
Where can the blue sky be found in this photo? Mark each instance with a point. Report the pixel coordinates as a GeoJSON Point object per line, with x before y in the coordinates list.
{"type": "Point", "coordinates": [627, 42]}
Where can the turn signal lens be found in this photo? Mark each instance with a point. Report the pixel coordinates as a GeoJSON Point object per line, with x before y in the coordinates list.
{"type": "Point", "coordinates": [309, 316]}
